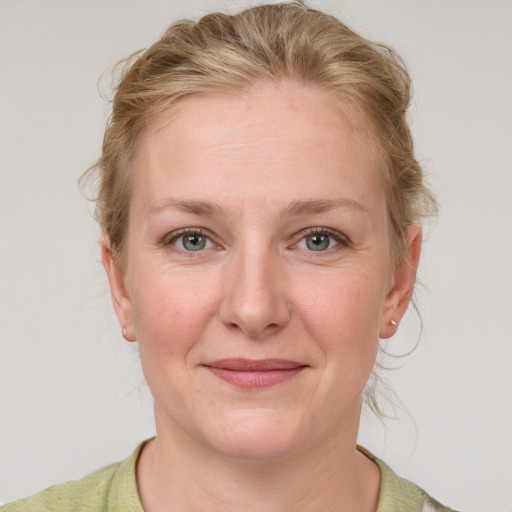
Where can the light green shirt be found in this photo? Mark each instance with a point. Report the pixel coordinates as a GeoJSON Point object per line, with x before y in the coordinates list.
{"type": "Point", "coordinates": [114, 489]}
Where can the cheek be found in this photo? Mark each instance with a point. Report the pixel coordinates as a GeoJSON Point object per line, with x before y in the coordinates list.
{"type": "Point", "coordinates": [171, 310]}
{"type": "Point", "coordinates": [344, 319]}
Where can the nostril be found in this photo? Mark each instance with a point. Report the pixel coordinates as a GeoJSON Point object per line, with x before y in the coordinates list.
{"type": "Point", "coordinates": [256, 308]}
{"type": "Point", "coordinates": [253, 333]}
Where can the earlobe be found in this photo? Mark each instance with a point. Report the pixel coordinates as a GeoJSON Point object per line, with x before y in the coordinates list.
{"type": "Point", "coordinates": [120, 297]}
{"type": "Point", "coordinates": [404, 278]}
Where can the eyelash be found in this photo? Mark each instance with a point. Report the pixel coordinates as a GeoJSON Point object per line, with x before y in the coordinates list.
{"type": "Point", "coordinates": [341, 239]}
{"type": "Point", "coordinates": [173, 237]}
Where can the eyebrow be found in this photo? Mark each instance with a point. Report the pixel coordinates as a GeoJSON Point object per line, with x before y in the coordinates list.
{"type": "Point", "coordinates": [187, 206]}
{"type": "Point", "coordinates": [296, 208]}
{"type": "Point", "coordinates": [313, 206]}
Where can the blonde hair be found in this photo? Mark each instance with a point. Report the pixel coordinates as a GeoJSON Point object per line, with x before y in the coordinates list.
{"type": "Point", "coordinates": [230, 53]}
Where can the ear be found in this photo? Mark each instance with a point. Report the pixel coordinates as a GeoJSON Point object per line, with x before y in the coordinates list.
{"type": "Point", "coordinates": [120, 297]}
{"type": "Point", "coordinates": [404, 278]}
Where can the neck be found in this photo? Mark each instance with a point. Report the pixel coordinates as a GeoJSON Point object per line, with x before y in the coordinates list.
{"type": "Point", "coordinates": [176, 473]}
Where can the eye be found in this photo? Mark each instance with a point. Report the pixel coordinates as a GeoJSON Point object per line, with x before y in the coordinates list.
{"type": "Point", "coordinates": [321, 239]}
{"type": "Point", "coordinates": [192, 241]}
{"type": "Point", "coordinates": [318, 242]}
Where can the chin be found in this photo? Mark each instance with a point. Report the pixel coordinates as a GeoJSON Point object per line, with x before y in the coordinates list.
{"type": "Point", "coordinates": [258, 434]}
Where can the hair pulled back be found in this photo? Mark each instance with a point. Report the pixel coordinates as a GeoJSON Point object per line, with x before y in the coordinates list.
{"type": "Point", "coordinates": [229, 53]}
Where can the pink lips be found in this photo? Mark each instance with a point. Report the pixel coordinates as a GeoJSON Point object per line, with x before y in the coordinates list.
{"type": "Point", "coordinates": [250, 373]}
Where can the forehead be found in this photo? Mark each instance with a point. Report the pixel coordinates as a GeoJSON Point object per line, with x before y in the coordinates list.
{"type": "Point", "coordinates": [269, 133]}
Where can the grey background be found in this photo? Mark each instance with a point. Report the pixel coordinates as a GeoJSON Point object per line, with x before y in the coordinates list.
{"type": "Point", "coordinates": [71, 392]}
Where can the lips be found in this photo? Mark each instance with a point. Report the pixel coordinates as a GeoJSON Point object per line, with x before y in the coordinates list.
{"type": "Point", "coordinates": [255, 373]}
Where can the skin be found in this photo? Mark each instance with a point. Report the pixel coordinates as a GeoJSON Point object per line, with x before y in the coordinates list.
{"type": "Point", "coordinates": [275, 162]}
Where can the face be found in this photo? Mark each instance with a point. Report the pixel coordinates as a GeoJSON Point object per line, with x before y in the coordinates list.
{"type": "Point", "coordinates": [258, 275]}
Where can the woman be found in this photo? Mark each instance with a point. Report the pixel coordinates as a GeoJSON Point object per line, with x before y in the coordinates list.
{"type": "Point", "coordinates": [260, 206]}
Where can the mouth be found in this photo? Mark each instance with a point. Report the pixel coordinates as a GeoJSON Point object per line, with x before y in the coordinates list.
{"type": "Point", "coordinates": [255, 373]}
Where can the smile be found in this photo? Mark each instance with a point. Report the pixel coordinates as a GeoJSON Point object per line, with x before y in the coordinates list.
{"type": "Point", "coordinates": [262, 373]}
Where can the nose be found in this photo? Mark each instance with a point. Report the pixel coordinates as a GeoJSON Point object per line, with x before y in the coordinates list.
{"type": "Point", "coordinates": [254, 295]}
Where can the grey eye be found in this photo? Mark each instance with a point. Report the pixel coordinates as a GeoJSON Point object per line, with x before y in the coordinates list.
{"type": "Point", "coordinates": [318, 242]}
{"type": "Point", "coordinates": [194, 242]}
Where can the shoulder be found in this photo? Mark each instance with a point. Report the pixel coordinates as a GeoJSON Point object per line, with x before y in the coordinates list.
{"type": "Point", "coordinates": [400, 495]}
{"type": "Point", "coordinates": [88, 494]}
{"type": "Point", "coordinates": [110, 489]}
